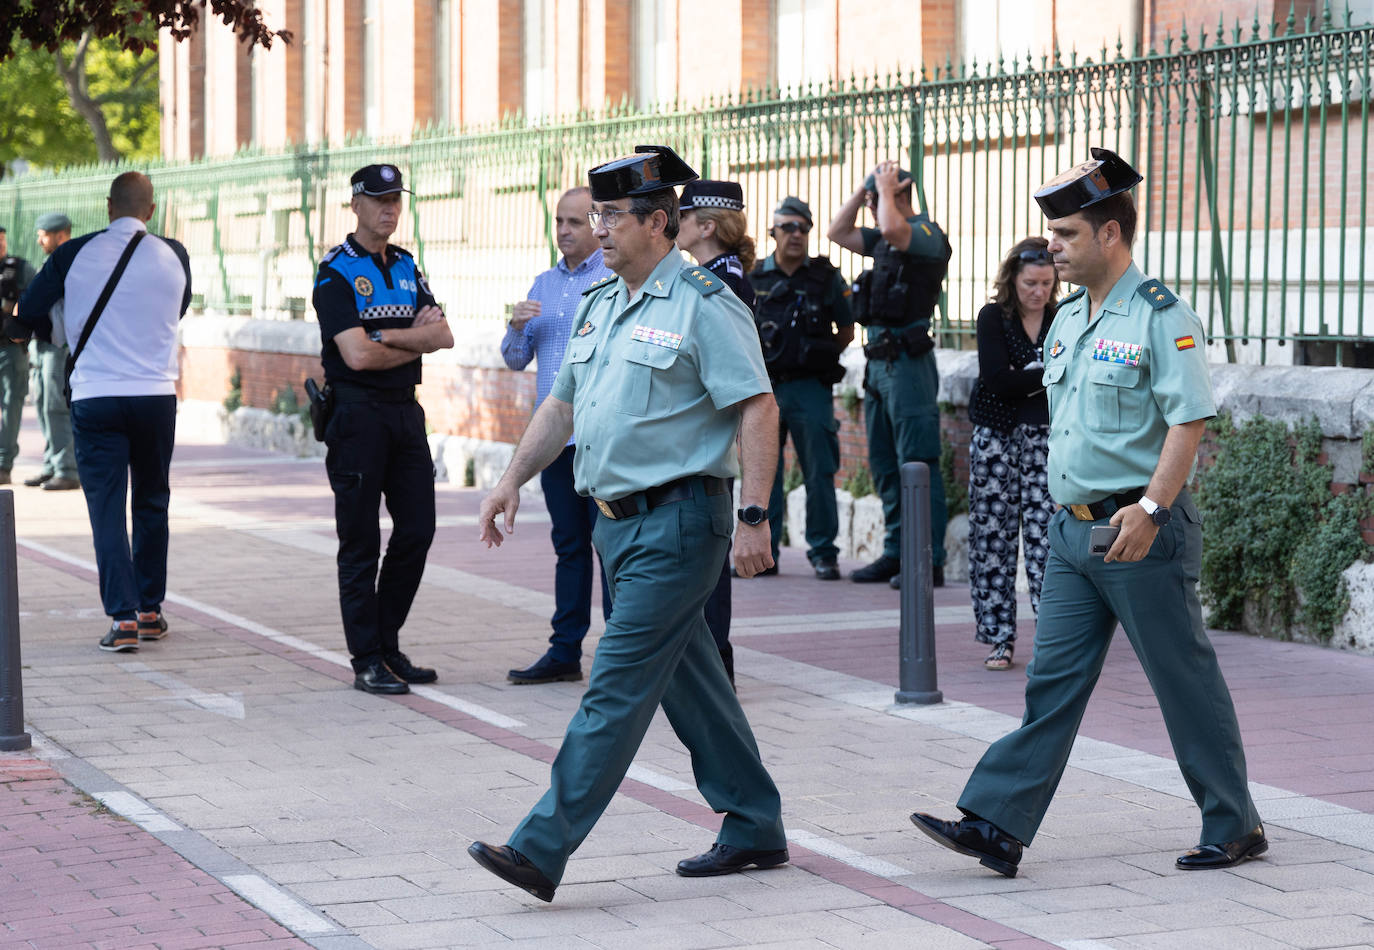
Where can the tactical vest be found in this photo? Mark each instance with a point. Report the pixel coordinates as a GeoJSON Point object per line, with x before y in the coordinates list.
{"type": "Point", "coordinates": [900, 289]}
{"type": "Point", "coordinates": [795, 325]}
{"type": "Point", "coordinates": [11, 273]}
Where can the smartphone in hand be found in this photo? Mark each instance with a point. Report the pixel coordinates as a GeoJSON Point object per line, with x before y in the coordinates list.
{"type": "Point", "coordinates": [1102, 537]}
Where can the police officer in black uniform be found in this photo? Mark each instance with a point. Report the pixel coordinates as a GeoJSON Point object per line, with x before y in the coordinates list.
{"type": "Point", "coordinates": [804, 325]}
{"type": "Point", "coordinates": [377, 317]}
{"type": "Point", "coordinates": [15, 274]}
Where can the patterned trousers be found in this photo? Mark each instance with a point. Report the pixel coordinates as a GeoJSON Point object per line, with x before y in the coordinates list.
{"type": "Point", "coordinates": [1008, 495]}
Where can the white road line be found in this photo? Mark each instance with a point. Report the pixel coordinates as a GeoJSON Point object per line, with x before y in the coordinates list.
{"type": "Point", "coordinates": [136, 810]}
{"type": "Point", "coordinates": [278, 904]}
{"type": "Point", "coordinates": [847, 855]}
{"type": "Point", "coordinates": [224, 704]}
{"type": "Point", "coordinates": [664, 783]}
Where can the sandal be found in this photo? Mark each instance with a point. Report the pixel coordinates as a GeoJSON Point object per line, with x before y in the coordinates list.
{"type": "Point", "coordinates": [1000, 657]}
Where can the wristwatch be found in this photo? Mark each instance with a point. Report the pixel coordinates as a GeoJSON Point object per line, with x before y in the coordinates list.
{"type": "Point", "coordinates": [375, 336]}
{"type": "Point", "coordinates": [1158, 513]}
{"type": "Point", "coordinates": [752, 515]}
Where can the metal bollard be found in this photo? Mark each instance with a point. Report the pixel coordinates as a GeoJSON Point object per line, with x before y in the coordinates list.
{"type": "Point", "coordinates": [12, 735]}
{"type": "Point", "coordinates": [917, 631]}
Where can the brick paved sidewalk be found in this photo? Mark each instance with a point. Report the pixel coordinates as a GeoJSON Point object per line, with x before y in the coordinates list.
{"type": "Point", "coordinates": [237, 744]}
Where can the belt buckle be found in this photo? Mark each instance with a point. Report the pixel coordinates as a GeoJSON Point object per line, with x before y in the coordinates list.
{"type": "Point", "coordinates": [1082, 512]}
{"type": "Point", "coordinates": [604, 508]}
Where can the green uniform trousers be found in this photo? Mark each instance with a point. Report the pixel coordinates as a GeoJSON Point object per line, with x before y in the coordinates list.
{"type": "Point", "coordinates": [1156, 602]}
{"type": "Point", "coordinates": [806, 410]}
{"type": "Point", "coordinates": [14, 387]}
{"type": "Point", "coordinates": [903, 423]}
{"type": "Point", "coordinates": [656, 650]}
{"type": "Point", "coordinates": [54, 415]}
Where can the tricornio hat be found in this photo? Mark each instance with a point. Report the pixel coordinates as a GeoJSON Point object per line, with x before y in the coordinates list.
{"type": "Point", "coordinates": [53, 221]}
{"type": "Point", "coordinates": [377, 180]}
{"type": "Point", "coordinates": [794, 206]}
{"type": "Point", "coordinates": [1086, 184]}
{"type": "Point", "coordinates": [651, 168]}
{"type": "Point", "coordinates": [711, 194]}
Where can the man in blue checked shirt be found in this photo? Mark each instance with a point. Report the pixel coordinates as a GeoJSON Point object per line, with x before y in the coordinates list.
{"type": "Point", "coordinates": [540, 328]}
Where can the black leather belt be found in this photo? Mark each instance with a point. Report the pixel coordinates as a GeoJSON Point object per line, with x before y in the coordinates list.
{"type": "Point", "coordinates": [351, 392]}
{"type": "Point", "coordinates": [643, 502]}
{"type": "Point", "coordinates": [1107, 506]}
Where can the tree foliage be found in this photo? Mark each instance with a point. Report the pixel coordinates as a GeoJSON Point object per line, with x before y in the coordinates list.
{"type": "Point", "coordinates": [46, 24]}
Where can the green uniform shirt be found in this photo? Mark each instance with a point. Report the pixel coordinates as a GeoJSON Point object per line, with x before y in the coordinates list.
{"type": "Point", "coordinates": [1116, 383]}
{"type": "Point", "coordinates": [837, 294]}
{"type": "Point", "coordinates": [652, 381]}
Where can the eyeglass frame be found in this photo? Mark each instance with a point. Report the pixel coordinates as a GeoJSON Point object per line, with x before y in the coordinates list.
{"type": "Point", "coordinates": [612, 216]}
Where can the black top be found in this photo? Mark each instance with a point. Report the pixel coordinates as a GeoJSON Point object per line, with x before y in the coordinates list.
{"type": "Point", "coordinates": [1006, 395]}
{"type": "Point", "coordinates": [729, 269]}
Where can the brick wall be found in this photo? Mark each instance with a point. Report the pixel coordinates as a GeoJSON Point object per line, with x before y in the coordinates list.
{"type": "Point", "coordinates": [510, 62]}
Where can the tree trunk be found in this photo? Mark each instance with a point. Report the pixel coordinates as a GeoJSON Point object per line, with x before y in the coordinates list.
{"type": "Point", "coordinates": [78, 91]}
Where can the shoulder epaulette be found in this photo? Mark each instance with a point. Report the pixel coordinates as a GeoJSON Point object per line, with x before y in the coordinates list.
{"type": "Point", "coordinates": [1155, 292]}
{"type": "Point", "coordinates": [1074, 296]}
{"type": "Point", "coordinates": [400, 251]}
{"type": "Point", "coordinates": [599, 285]}
{"type": "Point", "coordinates": [702, 279]}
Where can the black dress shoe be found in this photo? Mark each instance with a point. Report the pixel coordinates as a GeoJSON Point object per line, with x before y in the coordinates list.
{"type": "Point", "coordinates": [937, 579]}
{"type": "Point", "coordinates": [980, 839]}
{"type": "Point", "coordinates": [546, 670]}
{"type": "Point", "coordinates": [1205, 857]}
{"type": "Point", "coordinates": [725, 859]}
{"type": "Point", "coordinates": [878, 572]}
{"type": "Point", "coordinates": [377, 678]}
{"type": "Point", "coordinates": [400, 664]}
{"type": "Point", "coordinates": [827, 570]}
{"type": "Point", "coordinates": [38, 479]}
{"type": "Point", "coordinates": [512, 867]}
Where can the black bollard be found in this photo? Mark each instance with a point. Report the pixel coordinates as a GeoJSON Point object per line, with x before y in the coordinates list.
{"type": "Point", "coordinates": [12, 735]}
{"type": "Point", "coordinates": [917, 631]}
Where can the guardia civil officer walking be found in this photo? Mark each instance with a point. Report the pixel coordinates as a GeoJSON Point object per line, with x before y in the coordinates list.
{"type": "Point", "coordinates": [15, 274]}
{"type": "Point", "coordinates": [804, 325]}
{"type": "Point", "coordinates": [896, 301]}
{"type": "Point", "coordinates": [1129, 397]}
{"type": "Point", "coordinates": [662, 372]}
{"type": "Point", "coordinates": [48, 360]}
{"type": "Point", "coordinates": [377, 317]}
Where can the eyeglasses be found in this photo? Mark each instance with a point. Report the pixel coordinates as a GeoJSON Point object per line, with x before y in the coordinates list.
{"type": "Point", "coordinates": [1036, 256]}
{"type": "Point", "coordinates": [610, 218]}
{"type": "Point", "coordinates": [793, 227]}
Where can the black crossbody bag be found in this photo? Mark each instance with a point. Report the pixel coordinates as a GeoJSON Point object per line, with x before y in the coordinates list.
{"type": "Point", "coordinates": [96, 311]}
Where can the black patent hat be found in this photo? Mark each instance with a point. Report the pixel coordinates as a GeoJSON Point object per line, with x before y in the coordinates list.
{"type": "Point", "coordinates": [652, 168]}
{"type": "Point", "coordinates": [377, 180]}
{"type": "Point", "coordinates": [1086, 184]}
{"type": "Point", "coordinates": [711, 194]}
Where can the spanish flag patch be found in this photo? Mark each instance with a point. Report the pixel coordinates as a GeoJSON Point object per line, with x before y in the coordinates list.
{"type": "Point", "coordinates": [1184, 342]}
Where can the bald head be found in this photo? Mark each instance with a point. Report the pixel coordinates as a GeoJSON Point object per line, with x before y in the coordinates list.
{"type": "Point", "coordinates": [131, 196]}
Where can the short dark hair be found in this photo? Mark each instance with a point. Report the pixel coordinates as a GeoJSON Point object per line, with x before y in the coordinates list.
{"type": "Point", "coordinates": [665, 200]}
{"type": "Point", "coordinates": [1119, 208]}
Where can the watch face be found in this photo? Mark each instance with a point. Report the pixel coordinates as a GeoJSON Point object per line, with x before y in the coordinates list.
{"type": "Point", "coordinates": [1161, 516]}
{"type": "Point", "coordinates": [753, 515]}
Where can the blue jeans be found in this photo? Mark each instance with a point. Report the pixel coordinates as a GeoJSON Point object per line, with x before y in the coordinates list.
{"type": "Point", "coordinates": [120, 439]}
{"type": "Point", "coordinates": [573, 518]}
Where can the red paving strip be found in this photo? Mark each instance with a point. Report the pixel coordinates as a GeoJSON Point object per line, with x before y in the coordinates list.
{"type": "Point", "coordinates": [73, 876]}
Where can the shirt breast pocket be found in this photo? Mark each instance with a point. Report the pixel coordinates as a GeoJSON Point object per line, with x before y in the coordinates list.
{"type": "Point", "coordinates": [1114, 404]}
{"type": "Point", "coordinates": [645, 370]}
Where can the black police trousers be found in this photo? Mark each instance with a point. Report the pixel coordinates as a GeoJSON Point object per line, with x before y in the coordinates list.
{"type": "Point", "coordinates": [378, 449]}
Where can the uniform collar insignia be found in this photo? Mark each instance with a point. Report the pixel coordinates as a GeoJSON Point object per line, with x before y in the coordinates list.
{"type": "Point", "coordinates": [658, 284]}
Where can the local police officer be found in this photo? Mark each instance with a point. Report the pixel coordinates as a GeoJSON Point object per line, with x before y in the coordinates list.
{"type": "Point", "coordinates": [804, 325]}
{"type": "Point", "coordinates": [1129, 398]}
{"type": "Point", "coordinates": [49, 361]}
{"type": "Point", "coordinates": [377, 316]}
{"type": "Point", "coordinates": [662, 373]}
{"type": "Point", "coordinates": [896, 300]}
{"type": "Point", "coordinates": [15, 274]}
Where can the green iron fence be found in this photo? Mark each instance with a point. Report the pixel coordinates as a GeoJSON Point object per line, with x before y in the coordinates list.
{"type": "Point", "coordinates": [1254, 143]}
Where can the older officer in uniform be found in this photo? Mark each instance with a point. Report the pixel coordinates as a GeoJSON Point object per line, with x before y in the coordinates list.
{"type": "Point", "coordinates": [804, 325]}
{"type": "Point", "coordinates": [896, 301]}
{"type": "Point", "coordinates": [49, 362]}
{"type": "Point", "coordinates": [377, 317]}
{"type": "Point", "coordinates": [662, 372]}
{"type": "Point", "coordinates": [1129, 398]}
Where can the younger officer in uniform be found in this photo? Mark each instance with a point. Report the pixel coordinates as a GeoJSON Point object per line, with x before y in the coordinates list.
{"type": "Point", "coordinates": [15, 274]}
{"type": "Point", "coordinates": [896, 300]}
{"type": "Point", "coordinates": [804, 325]}
{"type": "Point", "coordinates": [1129, 398]}
{"type": "Point", "coordinates": [377, 316]}
{"type": "Point", "coordinates": [662, 373]}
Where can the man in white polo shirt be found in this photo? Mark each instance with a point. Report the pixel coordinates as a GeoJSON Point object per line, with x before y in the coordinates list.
{"type": "Point", "coordinates": [123, 394]}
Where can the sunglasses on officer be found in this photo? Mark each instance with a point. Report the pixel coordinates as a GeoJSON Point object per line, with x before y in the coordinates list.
{"type": "Point", "coordinates": [792, 227]}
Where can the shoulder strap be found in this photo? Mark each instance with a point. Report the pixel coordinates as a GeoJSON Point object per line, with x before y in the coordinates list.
{"type": "Point", "coordinates": [99, 307]}
{"type": "Point", "coordinates": [1156, 293]}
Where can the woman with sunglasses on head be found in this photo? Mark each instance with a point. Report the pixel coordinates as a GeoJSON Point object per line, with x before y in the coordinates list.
{"type": "Point", "coordinates": [1008, 494]}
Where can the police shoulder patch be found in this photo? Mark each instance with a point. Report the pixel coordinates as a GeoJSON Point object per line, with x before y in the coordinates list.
{"type": "Point", "coordinates": [599, 285]}
{"type": "Point", "coordinates": [1156, 293]}
{"type": "Point", "coordinates": [702, 279]}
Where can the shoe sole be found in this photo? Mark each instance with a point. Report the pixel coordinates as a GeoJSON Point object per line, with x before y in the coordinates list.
{"type": "Point", "coordinates": [763, 865]}
{"type": "Point", "coordinates": [120, 647]}
{"type": "Point", "coordinates": [530, 889]}
{"type": "Point", "coordinates": [1005, 868]}
{"type": "Point", "coordinates": [388, 691]}
{"type": "Point", "coordinates": [1255, 851]}
{"type": "Point", "coordinates": [152, 635]}
{"type": "Point", "coordinates": [563, 678]}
